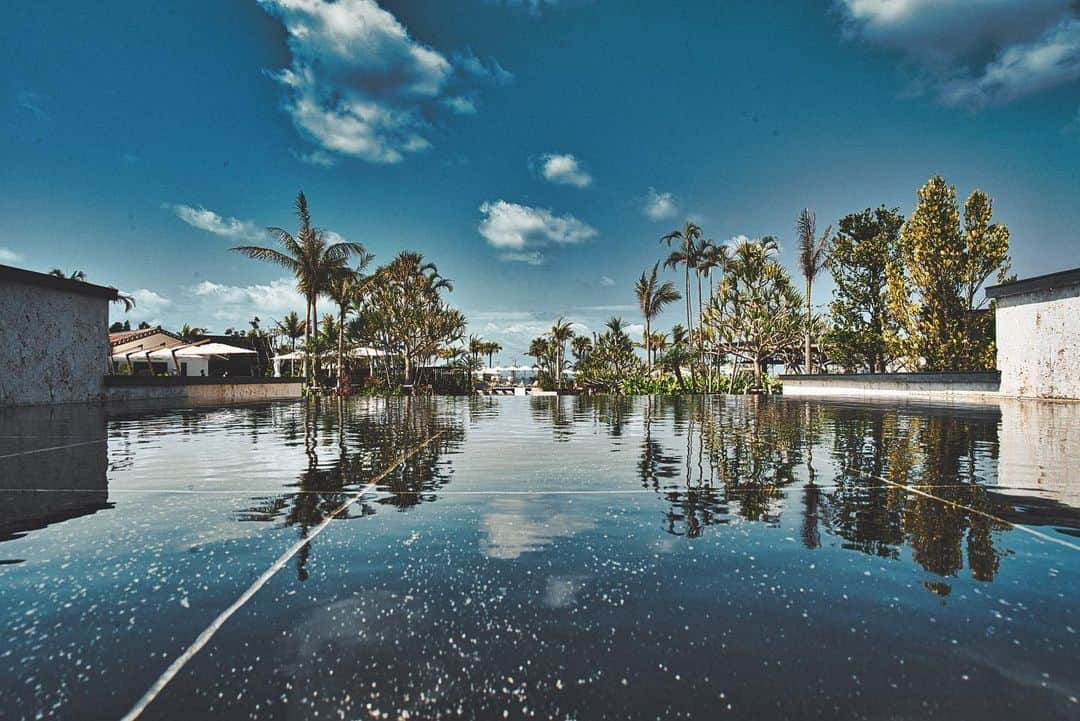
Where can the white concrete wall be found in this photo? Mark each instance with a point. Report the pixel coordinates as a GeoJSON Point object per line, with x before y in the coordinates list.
{"type": "Point", "coordinates": [221, 393]}
{"type": "Point", "coordinates": [1038, 339]}
{"type": "Point", "coordinates": [53, 345]}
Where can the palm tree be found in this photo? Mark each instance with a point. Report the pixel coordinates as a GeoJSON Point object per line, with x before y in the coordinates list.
{"type": "Point", "coordinates": [714, 257]}
{"type": "Point", "coordinates": [345, 288]}
{"type": "Point", "coordinates": [811, 261]}
{"type": "Point", "coordinates": [561, 332]}
{"type": "Point", "coordinates": [581, 346]}
{"type": "Point", "coordinates": [652, 297]}
{"type": "Point", "coordinates": [476, 346]}
{"type": "Point", "coordinates": [313, 261]}
{"type": "Point", "coordinates": [291, 327]}
{"type": "Point", "coordinates": [73, 275]}
{"type": "Point", "coordinates": [685, 255]}
{"type": "Point", "coordinates": [490, 349]}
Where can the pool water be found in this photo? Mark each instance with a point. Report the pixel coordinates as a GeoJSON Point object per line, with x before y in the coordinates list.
{"type": "Point", "coordinates": [550, 558]}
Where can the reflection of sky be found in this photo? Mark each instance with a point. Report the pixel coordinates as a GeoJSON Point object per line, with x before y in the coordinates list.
{"type": "Point", "coordinates": [518, 525]}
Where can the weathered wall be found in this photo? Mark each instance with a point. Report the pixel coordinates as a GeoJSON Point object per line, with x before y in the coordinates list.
{"type": "Point", "coordinates": [922, 386]}
{"type": "Point", "coordinates": [217, 391]}
{"type": "Point", "coordinates": [1038, 337]}
{"type": "Point", "coordinates": [53, 345]}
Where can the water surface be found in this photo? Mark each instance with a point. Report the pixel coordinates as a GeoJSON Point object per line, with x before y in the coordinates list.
{"type": "Point", "coordinates": [543, 558]}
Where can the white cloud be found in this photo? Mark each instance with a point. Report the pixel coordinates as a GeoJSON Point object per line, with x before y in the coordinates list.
{"type": "Point", "coordinates": [607, 281]}
{"type": "Point", "coordinates": [477, 68]}
{"type": "Point", "coordinates": [659, 206]}
{"type": "Point", "coordinates": [149, 302]}
{"type": "Point", "coordinates": [460, 104]}
{"type": "Point", "coordinates": [359, 84]}
{"type": "Point", "coordinates": [234, 302]}
{"type": "Point", "coordinates": [519, 230]}
{"type": "Point", "coordinates": [534, 257]}
{"type": "Point", "coordinates": [8, 256]}
{"type": "Point", "coordinates": [318, 158]}
{"type": "Point", "coordinates": [564, 169]}
{"type": "Point", "coordinates": [973, 53]}
{"type": "Point", "coordinates": [211, 222]}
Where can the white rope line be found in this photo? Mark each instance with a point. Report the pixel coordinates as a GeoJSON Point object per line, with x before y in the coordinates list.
{"type": "Point", "coordinates": [203, 638]}
{"type": "Point", "coordinates": [1017, 526]}
{"type": "Point", "coordinates": [54, 448]}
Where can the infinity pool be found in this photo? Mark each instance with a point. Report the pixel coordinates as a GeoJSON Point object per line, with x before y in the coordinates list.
{"type": "Point", "coordinates": [551, 558]}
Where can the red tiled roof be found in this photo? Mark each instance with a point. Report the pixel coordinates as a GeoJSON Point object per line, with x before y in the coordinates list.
{"type": "Point", "coordinates": [126, 336]}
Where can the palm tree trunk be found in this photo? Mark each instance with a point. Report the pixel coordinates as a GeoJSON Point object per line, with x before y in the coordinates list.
{"type": "Point", "coordinates": [341, 348]}
{"type": "Point", "coordinates": [807, 368]}
{"type": "Point", "coordinates": [307, 341]}
{"type": "Point", "coordinates": [689, 318]}
{"type": "Point", "coordinates": [648, 345]}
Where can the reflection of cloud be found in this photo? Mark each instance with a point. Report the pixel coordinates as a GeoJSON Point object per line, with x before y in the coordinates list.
{"type": "Point", "coordinates": [562, 591]}
{"type": "Point", "coordinates": [518, 526]}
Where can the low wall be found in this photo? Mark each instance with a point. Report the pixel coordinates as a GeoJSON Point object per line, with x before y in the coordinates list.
{"type": "Point", "coordinates": [929, 386]}
{"type": "Point", "coordinates": [201, 390]}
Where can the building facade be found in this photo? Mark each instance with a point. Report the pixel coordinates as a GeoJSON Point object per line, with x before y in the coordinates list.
{"type": "Point", "coordinates": [53, 338]}
{"type": "Point", "coordinates": [1038, 335]}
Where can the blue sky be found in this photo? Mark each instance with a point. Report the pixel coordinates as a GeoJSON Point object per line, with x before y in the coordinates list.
{"type": "Point", "coordinates": [534, 149]}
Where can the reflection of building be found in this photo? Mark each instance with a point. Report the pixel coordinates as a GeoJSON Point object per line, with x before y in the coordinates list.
{"type": "Point", "coordinates": [1038, 335]}
{"type": "Point", "coordinates": [54, 345]}
{"type": "Point", "coordinates": [39, 487]}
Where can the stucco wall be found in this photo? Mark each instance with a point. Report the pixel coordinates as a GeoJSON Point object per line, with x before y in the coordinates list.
{"type": "Point", "coordinates": [1038, 337]}
{"type": "Point", "coordinates": [53, 345]}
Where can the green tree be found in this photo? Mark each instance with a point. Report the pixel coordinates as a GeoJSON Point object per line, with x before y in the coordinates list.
{"type": "Point", "coordinates": [313, 261]}
{"type": "Point", "coordinates": [653, 296]}
{"type": "Point", "coordinates": [687, 255]}
{"type": "Point", "coordinates": [865, 244]}
{"type": "Point", "coordinates": [561, 333]}
{"type": "Point", "coordinates": [941, 267]}
{"type": "Point", "coordinates": [291, 327]}
{"type": "Point", "coordinates": [811, 261]}
{"type": "Point", "coordinates": [758, 312]}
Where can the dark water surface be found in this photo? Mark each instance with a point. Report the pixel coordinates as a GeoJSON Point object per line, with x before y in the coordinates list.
{"type": "Point", "coordinates": [542, 558]}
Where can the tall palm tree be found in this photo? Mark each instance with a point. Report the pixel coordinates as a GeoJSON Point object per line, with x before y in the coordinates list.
{"type": "Point", "coordinates": [560, 333]}
{"type": "Point", "coordinates": [652, 297]}
{"type": "Point", "coordinates": [714, 259]}
{"type": "Point", "coordinates": [581, 346]}
{"type": "Point", "coordinates": [686, 255]}
{"type": "Point", "coordinates": [811, 261]}
{"type": "Point", "coordinates": [313, 261]}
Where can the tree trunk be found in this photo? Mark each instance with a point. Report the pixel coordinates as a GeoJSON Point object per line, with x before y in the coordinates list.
{"type": "Point", "coordinates": [808, 368]}
{"type": "Point", "coordinates": [307, 342]}
{"type": "Point", "coordinates": [341, 348]}
{"type": "Point", "coordinates": [648, 345]}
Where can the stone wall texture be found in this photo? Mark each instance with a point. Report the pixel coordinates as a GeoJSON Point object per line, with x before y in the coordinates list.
{"type": "Point", "coordinates": [202, 391]}
{"type": "Point", "coordinates": [53, 345]}
{"type": "Point", "coordinates": [1038, 337]}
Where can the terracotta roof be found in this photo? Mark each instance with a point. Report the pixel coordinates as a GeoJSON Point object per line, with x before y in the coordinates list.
{"type": "Point", "coordinates": [126, 336]}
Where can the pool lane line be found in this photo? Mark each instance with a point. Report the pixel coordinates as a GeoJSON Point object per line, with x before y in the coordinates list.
{"type": "Point", "coordinates": [54, 448]}
{"type": "Point", "coordinates": [203, 638]}
{"type": "Point", "coordinates": [1017, 526]}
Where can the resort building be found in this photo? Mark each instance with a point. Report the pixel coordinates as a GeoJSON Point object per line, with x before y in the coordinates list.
{"type": "Point", "coordinates": [1038, 335]}
{"type": "Point", "coordinates": [54, 345]}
